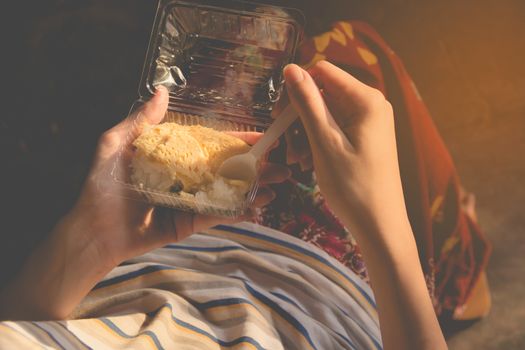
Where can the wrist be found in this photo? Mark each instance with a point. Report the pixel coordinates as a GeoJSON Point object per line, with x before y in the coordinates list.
{"type": "Point", "coordinates": [378, 224]}
{"type": "Point", "coordinates": [64, 267]}
{"type": "Point", "coordinates": [84, 236]}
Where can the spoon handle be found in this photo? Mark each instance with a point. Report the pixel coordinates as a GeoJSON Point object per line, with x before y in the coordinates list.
{"type": "Point", "coordinates": [278, 127]}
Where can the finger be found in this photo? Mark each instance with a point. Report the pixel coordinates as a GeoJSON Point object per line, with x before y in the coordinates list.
{"type": "Point", "coordinates": [272, 173]}
{"type": "Point", "coordinates": [155, 109]}
{"type": "Point", "coordinates": [264, 196]}
{"type": "Point", "coordinates": [353, 104]}
{"type": "Point", "coordinates": [187, 223]}
{"type": "Point", "coordinates": [152, 112]}
{"type": "Point", "coordinates": [171, 226]}
{"type": "Point", "coordinates": [250, 137]}
{"type": "Point", "coordinates": [117, 137]}
{"type": "Point", "coordinates": [341, 89]}
{"type": "Point", "coordinates": [203, 222]}
{"type": "Point", "coordinates": [307, 100]}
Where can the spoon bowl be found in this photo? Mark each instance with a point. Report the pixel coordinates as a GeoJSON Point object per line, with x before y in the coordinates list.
{"type": "Point", "coordinates": [240, 167]}
{"type": "Point", "coordinates": [244, 166]}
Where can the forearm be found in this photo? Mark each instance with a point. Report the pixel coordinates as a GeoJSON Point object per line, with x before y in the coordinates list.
{"type": "Point", "coordinates": [57, 276]}
{"type": "Point", "coordinates": [406, 313]}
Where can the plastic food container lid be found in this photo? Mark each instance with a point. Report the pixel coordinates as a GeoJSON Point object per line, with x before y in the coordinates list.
{"type": "Point", "coordinates": [221, 57]}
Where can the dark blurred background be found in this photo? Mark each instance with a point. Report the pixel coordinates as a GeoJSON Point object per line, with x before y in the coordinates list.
{"type": "Point", "coordinates": [72, 69]}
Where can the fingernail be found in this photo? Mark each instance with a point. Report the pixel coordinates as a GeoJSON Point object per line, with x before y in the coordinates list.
{"type": "Point", "coordinates": [160, 89]}
{"type": "Point", "coordinates": [293, 74]}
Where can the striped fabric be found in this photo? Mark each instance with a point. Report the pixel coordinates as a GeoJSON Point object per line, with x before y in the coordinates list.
{"type": "Point", "coordinates": [231, 287]}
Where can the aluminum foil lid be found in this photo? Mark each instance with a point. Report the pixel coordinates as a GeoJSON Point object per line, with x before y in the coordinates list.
{"type": "Point", "coordinates": [221, 56]}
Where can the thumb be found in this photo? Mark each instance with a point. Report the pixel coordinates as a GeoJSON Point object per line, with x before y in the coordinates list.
{"type": "Point", "coordinates": [154, 110]}
{"type": "Point", "coordinates": [309, 103]}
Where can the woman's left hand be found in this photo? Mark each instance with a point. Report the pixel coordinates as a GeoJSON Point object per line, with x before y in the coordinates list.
{"type": "Point", "coordinates": [125, 228]}
{"type": "Point", "coordinates": [106, 228]}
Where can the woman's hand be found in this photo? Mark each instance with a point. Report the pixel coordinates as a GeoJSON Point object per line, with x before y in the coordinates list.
{"type": "Point", "coordinates": [104, 228]}
{"type": "Point", "coordinates": [124, 228]}
{"type": "Point", "coordinates": [350, 129]}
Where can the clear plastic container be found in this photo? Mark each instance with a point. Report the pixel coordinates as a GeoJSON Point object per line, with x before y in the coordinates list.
{"type": "Point", "coordinates": [222, 63]}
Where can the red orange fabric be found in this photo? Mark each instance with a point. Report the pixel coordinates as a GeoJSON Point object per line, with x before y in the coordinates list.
{"type": "Point", "coordinates": [452, 248]}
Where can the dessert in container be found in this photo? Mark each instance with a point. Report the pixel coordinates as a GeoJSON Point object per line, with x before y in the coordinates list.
{"type": "Point", "coordinates": [222, 64]}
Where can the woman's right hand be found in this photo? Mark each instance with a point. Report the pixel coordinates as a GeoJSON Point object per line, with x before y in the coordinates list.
{"type": "Point", "coordinates": [350, 128]}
